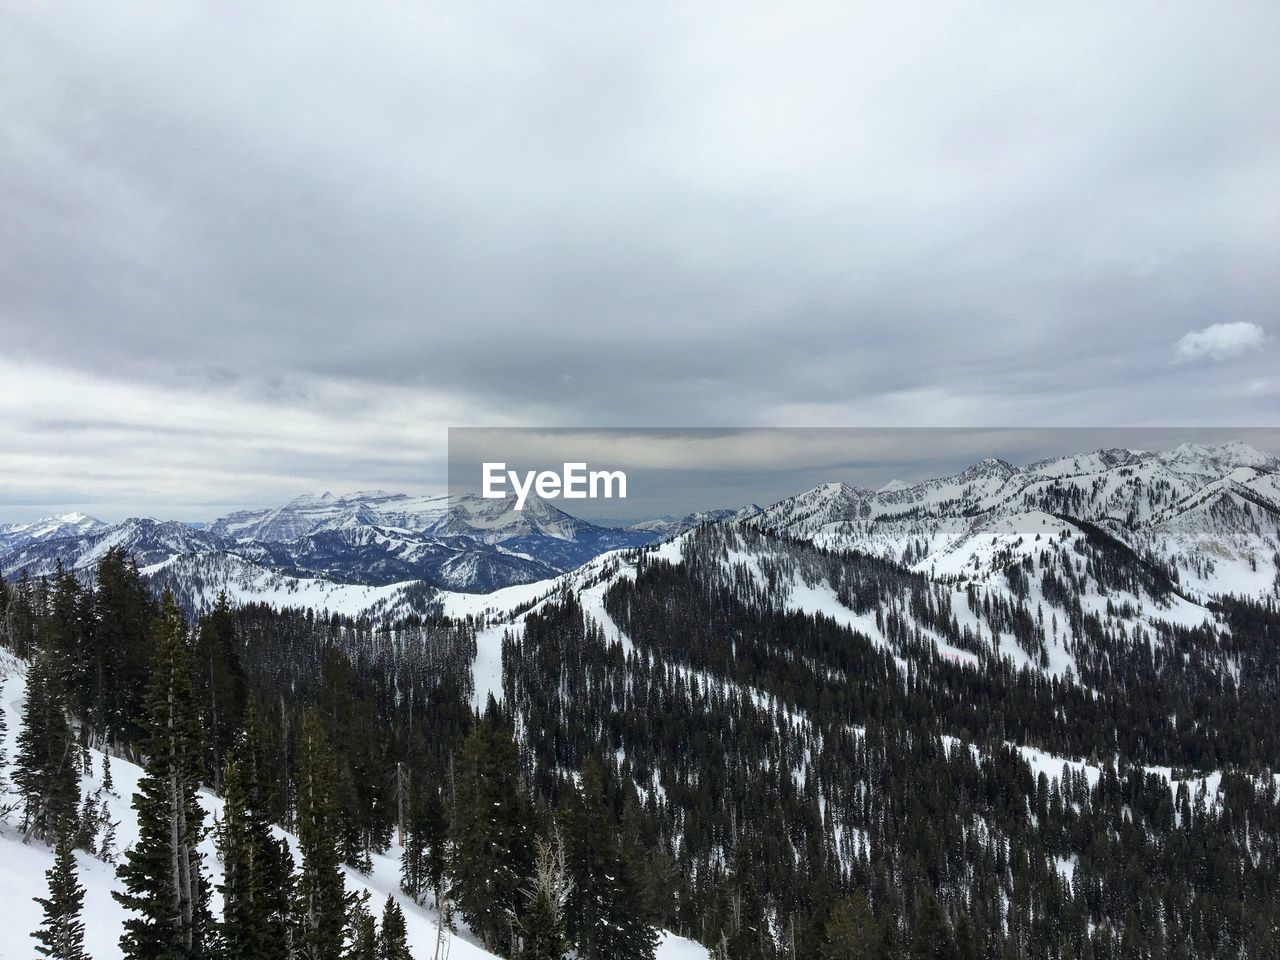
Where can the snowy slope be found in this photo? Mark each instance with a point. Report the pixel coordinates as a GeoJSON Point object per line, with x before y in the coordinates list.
{"type": "Point", "coordinates": [22, 867]}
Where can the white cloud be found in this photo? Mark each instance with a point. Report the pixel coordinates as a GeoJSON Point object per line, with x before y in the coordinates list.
{"type": "Point", "coordinates": [1220, 341]}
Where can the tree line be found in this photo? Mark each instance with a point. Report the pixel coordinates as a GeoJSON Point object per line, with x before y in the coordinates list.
{"type": "Point", "coordinates": [353, 737]}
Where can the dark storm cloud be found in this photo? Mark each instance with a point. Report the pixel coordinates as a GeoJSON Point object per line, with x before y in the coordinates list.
{"type": "Point", "coordinates": [372, 221]}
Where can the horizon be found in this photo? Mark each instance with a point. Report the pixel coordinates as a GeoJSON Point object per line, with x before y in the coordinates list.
{"type": "Point", "coordinates": [1266, 442]}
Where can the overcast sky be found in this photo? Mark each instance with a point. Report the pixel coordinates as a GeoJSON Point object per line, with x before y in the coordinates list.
{"type": "Point", "coordinates": [260, 249]}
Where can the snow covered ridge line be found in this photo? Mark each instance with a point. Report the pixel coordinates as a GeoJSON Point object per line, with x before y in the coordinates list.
{"type": "Point", "coordinates": [1211, 513]}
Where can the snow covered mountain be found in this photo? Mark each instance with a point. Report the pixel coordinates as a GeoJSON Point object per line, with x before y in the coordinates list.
{"type": "Point", "coordinates": [361, 554]}
{"type": "Point", "coordinates": [312, 514]}
{"type": "Point", "coordinates": [1211, 512]}
{"type": "Point", "coordinates": [540, 530]}
{"type": "Point", "coordinates": [372, 538]}
{"type": "Point", "coordinates": [49, 528]}
{"type": "Point", "coordinates": [147, 540]}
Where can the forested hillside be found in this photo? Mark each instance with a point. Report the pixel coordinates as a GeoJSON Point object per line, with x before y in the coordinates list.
{"type": "Point", "coordinates": [281, 765]}
{"type": "Point", "coordinates": [775, 748]}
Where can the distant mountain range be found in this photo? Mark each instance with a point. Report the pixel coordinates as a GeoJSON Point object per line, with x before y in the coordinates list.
{"type": "Point", "coordinates": [371, 538]}
{"type": "Point", "coordinates": [365, 538]}
{"type": "Point", "coordinates": [1209, 513]}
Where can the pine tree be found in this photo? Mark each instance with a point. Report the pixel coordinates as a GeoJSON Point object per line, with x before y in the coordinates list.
{"type": "Point", "coordinates": [967, 947]}
{"type": "Point", "coordinates": [490, 837]}
{"type": "Point", "coordinates": [87, 825]}
{"type": "Point", "coordinates": [165, 887]}
{"type": "Point", "coordinates": [393, 941]}
{"type": "Point", "coordinates": [851, 932]}
{"type": "Point", "coordinates": [19, 617]}
{"type": "Point", "coordinates": [605, 917]}
{"type": "Point", "coordinates": [650, 864]}
{"type": "Point", "coordinates": [422, 863]}
{"type": "Point", "coordinates": [256, 869]}
{"type": "Point", "coordinates": [119, 650]}
{"type": "Point", "coordinates": [107, 844]}
{"type": "Point", "coordinates": [931, 939]}
{"type": "Point", "coordinates": [218, 679]}
{"type": "Point", "coordinates": [46, 771]}
{"type": "Point", "coordinates": [61, 935]}
{"type": "Point", "coordinates": [64, 633]}
{"type": "Point", "coordinates": [320, 899]}
{"type": "Point", "coordinates": [362, 929]}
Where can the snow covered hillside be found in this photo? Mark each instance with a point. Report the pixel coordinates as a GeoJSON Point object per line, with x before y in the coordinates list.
{"type": "Point", "coordinates": [23, 864]}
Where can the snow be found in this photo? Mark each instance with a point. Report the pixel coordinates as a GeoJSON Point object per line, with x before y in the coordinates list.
{"type": "Point", "coordinates": [312, 513]}
{"type": "Point", "coordinates": [47, 528]}
{"type": "Point", "coordinates": [23, 866]}
{"type": "Point", "coordinates": [1169, 502]}
{"type": "Point", "coordinates": [671, 947]}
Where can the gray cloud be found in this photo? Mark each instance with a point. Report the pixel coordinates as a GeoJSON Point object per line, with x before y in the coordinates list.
{"type": "Point", "coordinates": [368, 222]}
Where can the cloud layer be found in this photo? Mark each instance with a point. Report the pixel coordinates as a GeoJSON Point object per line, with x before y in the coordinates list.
{"type": "Point", "coordinates": [239, 234]}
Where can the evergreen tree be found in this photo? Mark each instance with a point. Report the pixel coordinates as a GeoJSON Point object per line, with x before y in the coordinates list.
{"type": "Point", "coordinates": [851, 932]}
{"type": "Point", "coordinates": [20, 617]}
{"type": "Point", "coordinates": [931, 939]}
{"type": "Point", "coordinates": [748, 934]}
{"type": "Point", "coordinates": [257, 869]}
{"type": "Point", "coordinates": [218, 678]}
{"type": "Point", "coordinates": [605, 917]}
{"type": "Point", "coordinates": [362, 930]}
{"type": "Point", "coordinates": [320, 900]}
{"type": "Point", "coordinates": [46, 770]}
{"type": "Point", "coordinates": [5, 593]}
{"type": "Point", "coordinates": [967, 947]}
{"type": "Point", "coordinates": [65, 623]}
{"type": "Point", "coordinates": [61, 935]}
{"type": "Point", "coordinates": [490, 852]}
{"type": "Point", "coordinates": [164, 883]}
{"type": "Point", "coordinates": [652, 868]}
{"type": "Point", "coordinates": [422, 863]}
{"type": "Point", "coordinates": [119, 650]}
{"type": "Point", "coordinates": [393, 941]}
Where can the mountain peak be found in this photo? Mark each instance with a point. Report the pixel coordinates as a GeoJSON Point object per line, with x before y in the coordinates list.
{"type": "Point", "coordinates": [1235, 453]}
{"type": "Point", "coordinates": [989, 467]}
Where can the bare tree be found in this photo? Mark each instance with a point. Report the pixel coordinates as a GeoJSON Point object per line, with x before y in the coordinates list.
{"type": "Point", "coordinates": [546, 895]}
